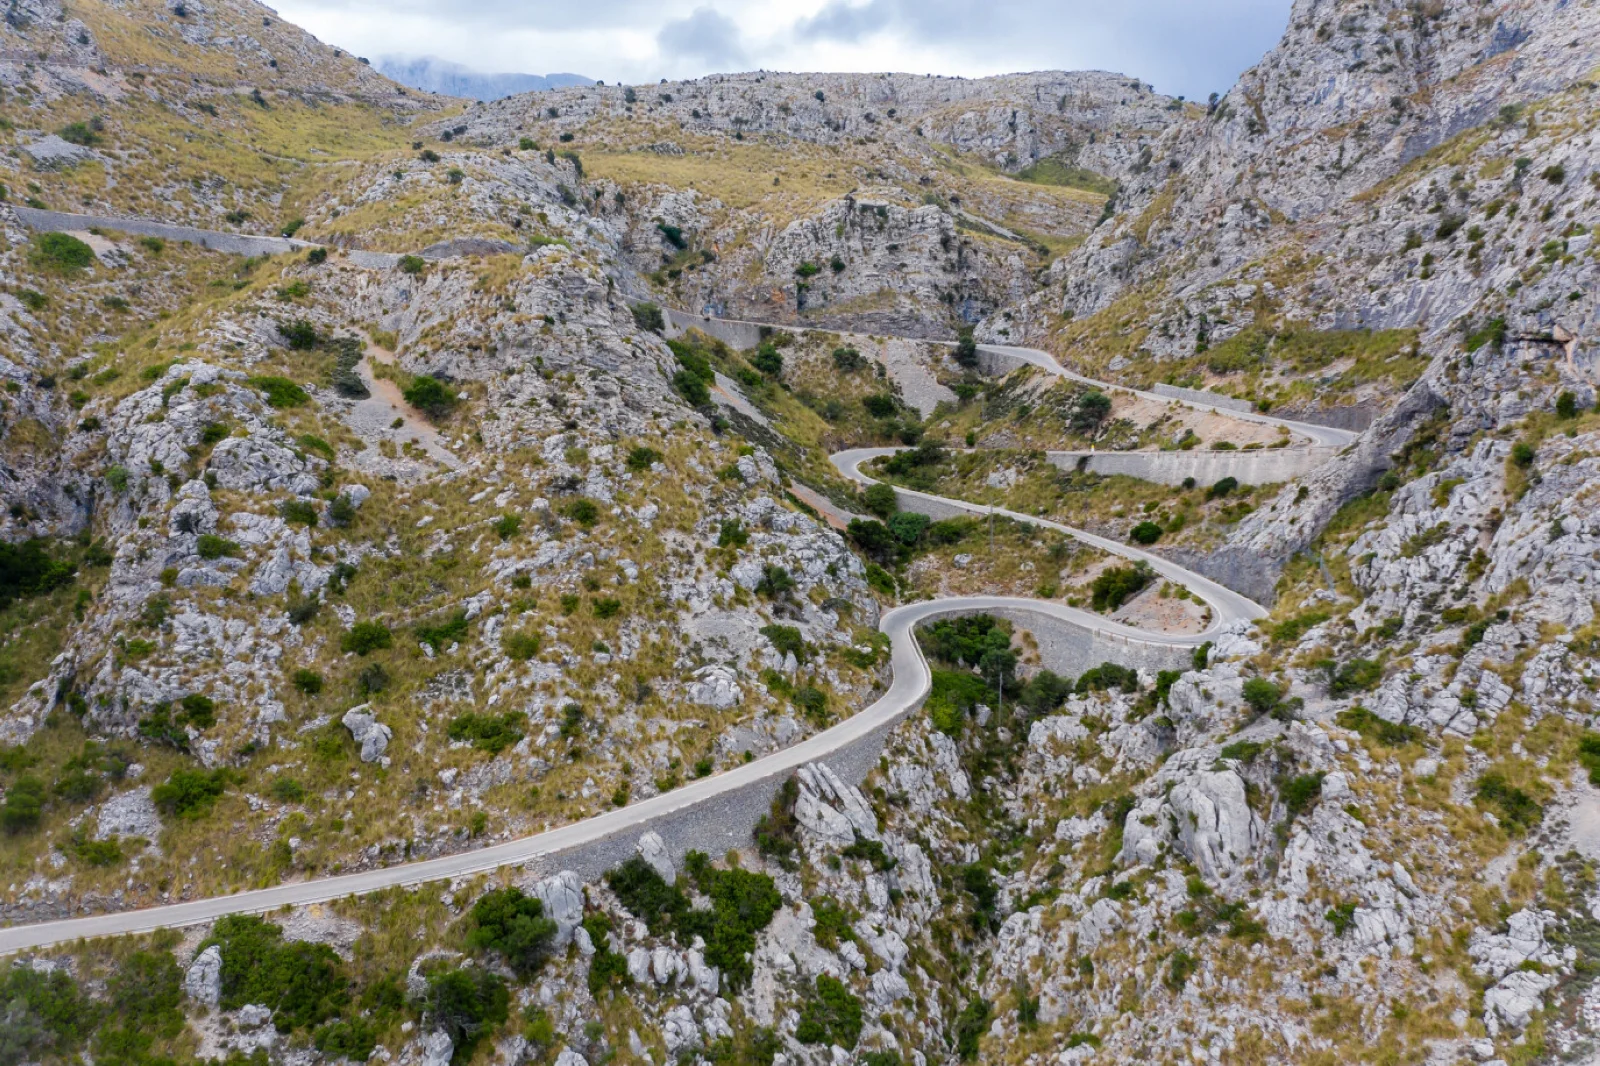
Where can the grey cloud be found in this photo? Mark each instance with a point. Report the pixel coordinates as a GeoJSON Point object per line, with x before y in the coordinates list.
{"type": "Point", "coordinates": [705, 35]}
{"type": "Point", "coordinates": [1180, 45]}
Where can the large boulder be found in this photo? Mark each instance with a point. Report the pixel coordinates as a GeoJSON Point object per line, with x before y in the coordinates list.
{"type": "Point", "coordinates": [371, 735]}
{"type": "Point", "coordinates": [562, 896]}
{"type": "Point", "coordinates": [203, 981]}
{"type": "Point", "coordinates": [653, 850]}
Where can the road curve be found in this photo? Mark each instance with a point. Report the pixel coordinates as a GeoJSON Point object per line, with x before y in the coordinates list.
{"type": "Point", "coordinates": [912, 679]}
{"type": "Point", "coordinates": [1226, 605]}
{"type": "Point", "coordinates": [1320, 436]}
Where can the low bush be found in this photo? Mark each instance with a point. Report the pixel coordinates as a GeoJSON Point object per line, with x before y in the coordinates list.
{"type": "Point", "coordinates": [190, 794]}
{"type": "Point", "coordinates": [366, 637]}
{"type": "Point", "coordinates": [1145, 533]}
{"type": "Point", "coordinates": [430, 396]}
{"type": "Point", "coordinates": [280, 392]}
{"type": "Point", "coordinates": [513, 925]}
{"type": "Point", "coordinates": [830, 1016]}
{"type": "Point", "coordinates": [61, 253]}
{"type": "Point", "coordinates": [493, 733]}
{"type": "Point", "coordinates": [1113, 587]}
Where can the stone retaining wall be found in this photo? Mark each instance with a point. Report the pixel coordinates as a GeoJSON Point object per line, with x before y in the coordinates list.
{"type": "Point", "coordinates": [1266, 467]}
{"type": "Point", "coordinates": [737, 335]}
{"type": "Point", "coordinates": [1214, 399]}
{"type": "Point", "coordinates": [229, 243]}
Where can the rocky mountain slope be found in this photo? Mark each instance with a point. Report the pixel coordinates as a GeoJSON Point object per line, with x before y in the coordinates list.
{"type": "Point", "coordinates": [324, 561]}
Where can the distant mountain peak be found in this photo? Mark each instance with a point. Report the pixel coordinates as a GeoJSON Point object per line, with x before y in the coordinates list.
{"type": "Point", "coordinates": [432, 74]}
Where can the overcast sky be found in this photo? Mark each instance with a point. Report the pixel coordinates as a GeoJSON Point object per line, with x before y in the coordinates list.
{"type": "Point", "coordinates": [1188, 47]}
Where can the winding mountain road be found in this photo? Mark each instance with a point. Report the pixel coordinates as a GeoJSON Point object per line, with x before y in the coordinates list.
{"type": "Point", "coordinates": [911, 680]}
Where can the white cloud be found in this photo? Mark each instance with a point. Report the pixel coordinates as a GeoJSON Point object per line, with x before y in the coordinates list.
{"type": "Point", "coordinates": [1183, 47]}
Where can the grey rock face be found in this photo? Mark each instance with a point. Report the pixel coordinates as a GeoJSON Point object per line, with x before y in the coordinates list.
{"type": "Point", "coordinates": [128, 814]}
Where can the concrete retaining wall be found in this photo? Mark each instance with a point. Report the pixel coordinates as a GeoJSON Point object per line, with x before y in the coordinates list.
{"type": "Point", "coordinates": [737, 335]}
{"type": "Point", "coordinates": [1266, 467]}
{"type": "Point", "coordinates": [998, 364]}
{"type": "Point", "coordinates": [1069, 650]}
{"type": "Point", "coordinates": [230, 243]}
{"type": "Point", "coordinates": [1215, 399]}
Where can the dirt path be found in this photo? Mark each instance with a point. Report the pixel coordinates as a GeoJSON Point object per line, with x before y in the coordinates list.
{"type": "Point", "coordinates": [374, 417]}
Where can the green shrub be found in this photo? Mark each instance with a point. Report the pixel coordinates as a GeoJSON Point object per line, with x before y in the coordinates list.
{"type": "Point", "coordinates": [441, 636]}
{"type": "Point", "coordinates": [365, 637]}
{"type": "Point", "coordinates": [606, 608]}
{"type": "Point", "coordinates": [648, 316]}
{"type": "Point", "coordinates": [190, 794]}
{"type": "Point", "coordinates": [1090, 412]}
{"type": "Point", "coordinates": [1357, 675]}
{"type": "Point", "coordinates": [830, 1016]}
{"type": "Point", "coordinates": [493, 733]}
{"type": "Point", "coordinates": [280, 392]}
{"type": "Point", "coordinates": [971, 1024]}
{"type": "Point", "coordinates": [27, 570]}
{"type": "Point", "coordinates": [413, 264]}
{"type": "Point", "coordinates": [341, 512]}
{"type": "Point", "coordinates": [520, 647]}
{"type": "Point", "coordinates": [787, 640]}
{"type": "Point", "coordinates": [1300, 792]}
{"type": "Point", "coordinates": [513, 925]}
{"type": "Point", "coordinates": [46, 1017]}
{"type": "Point", "coordinates": [583, 511]}
{"type": "Point", "coordinates": [211, 546]}
{"type": "Point", "coordinates": [692, 388]}
{"type": "Point", "coordinates": [1116, 585]}
{"type": "Point", "coordinates": [1341, 917]}
{"type": "Point", "coordinates": [299, 512]}
{"type": "Point", "coordinates": [1519, 812]}
{"type": "Point", "coordinates": [776, 831]}
{"type": "Point", "coordinates": [80, 133]}
{"type": "Point", "coordinates": [317, 256]}
{"type": "Point", "coordinates": [641, 459]}
{"type": "Point", "coordinates": [24, 805]}
{"type": "Point", "coordinates": [354, 1039]}
{"type": "Point", "coordinates": [768, 360]}
{"type": "Point", "coordinates": [430, 396]}
{"type": "Point", "coordinates": [1222, 488]}
{"type": "Point", "coordinates": [966, 352]}
{"type": "Point", "coordinates": [466, 1005]}
{"type": "Point", "coordinates": [287, 790]}
{"type": "Point", "coordinates": [742, 904]}
{"type": "Point", "coordinates": [1262, 696]}
{"type": "Point", "coordinates": [1145, 533]}
{"type": "Point", "coordinates": [61, 253]}
{"type": "Point", "coordinates": [1182, 967]}
{"type": "Point", "coordinates": [881, 500]}
{"type": "Point", "coordinates": [776, 582]}
{"type": "Point", "coordinates": [299, 334]}
{"type": "Point", "coordinates": [303, 984]}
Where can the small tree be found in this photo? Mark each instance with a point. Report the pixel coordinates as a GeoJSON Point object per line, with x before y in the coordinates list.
{"type": "Point", "coordinates": [430, 396]}
{"type": "Point", "coordinates": [967, 349]}
{"type": "Point", "coordinates": [1091, 411]}
{"type": "Point", "coordinates": [880, 499]}
{"type": "Point", "coordinates": [513, 924]}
